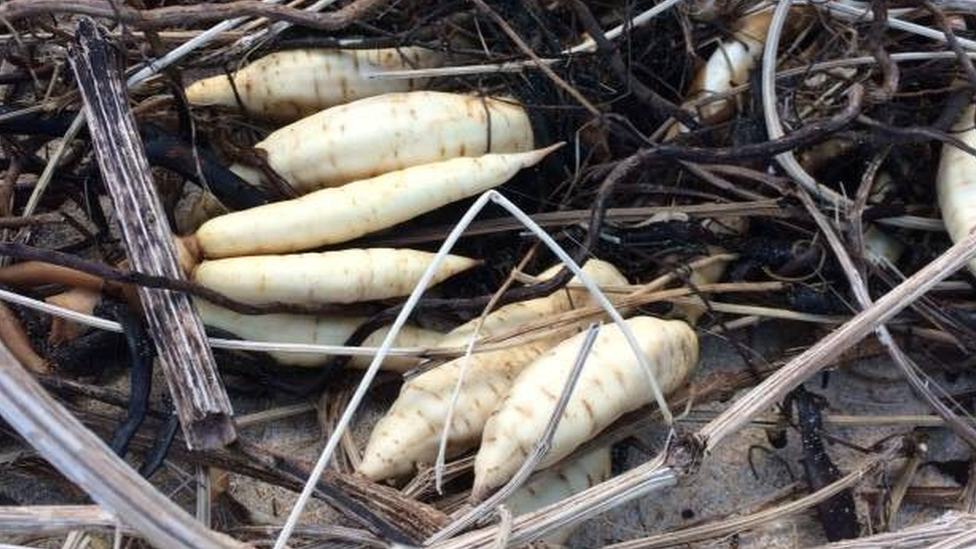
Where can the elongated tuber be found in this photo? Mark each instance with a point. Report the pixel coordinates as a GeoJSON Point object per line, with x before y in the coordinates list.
{"type": "Point", "coordinates": [389, 132]}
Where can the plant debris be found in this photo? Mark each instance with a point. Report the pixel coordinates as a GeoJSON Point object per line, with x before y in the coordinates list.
{"type": "Point", "coordinates": [221, 234]}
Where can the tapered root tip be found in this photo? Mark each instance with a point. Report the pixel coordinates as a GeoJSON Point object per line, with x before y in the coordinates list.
{"type": "Point", "coordinates": [534, 157]}
{"type": "Point", "coordinates": [208, 91]}
{"type": "Point", "coordinates": [371, 470]}
{"type": "Point", "coordinates": [479, 493]}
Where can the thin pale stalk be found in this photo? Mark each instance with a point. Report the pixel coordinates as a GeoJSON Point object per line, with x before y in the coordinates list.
{"type": "Point", "coordinates": [913, 537]}
{"type": "Point", "coordinates": [462, 371]}
{"type": "Point", "coordinates": [55, 519]}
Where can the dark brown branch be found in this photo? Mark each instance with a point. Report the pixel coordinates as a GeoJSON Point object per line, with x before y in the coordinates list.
{"type": "Point", "coordinates": [889, 70]}
{"type": "Point", "coordinates": [199, 397]}
{"type": "Point", "coordinates": [639, 89]}
{"type": "Point", "coordinates": [914, 134]}
{"type": "Point", "coordinates": [185, 15]}
{"type": "Point", "coordinates": [107, 395]}
{"type": "Point", "coordinates": [16, 222]}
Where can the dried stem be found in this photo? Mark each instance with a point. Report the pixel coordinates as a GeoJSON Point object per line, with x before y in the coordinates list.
{"type": "Point", "coordinates": [913, 537]}
{"type": "Point", "coordinates": [84, 459]}
{"type": "Point", "coordinates": [180, 16]}
{"type": "Point", "coordinates": [199, 396]}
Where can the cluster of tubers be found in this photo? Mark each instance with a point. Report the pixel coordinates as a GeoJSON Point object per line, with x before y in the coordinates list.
{"type": "Point", "coordinates": [355, 178]}
{"type": "Point", "coordinates": [353, 152]}
{"type": "Point", "coordinates": [364, 155]}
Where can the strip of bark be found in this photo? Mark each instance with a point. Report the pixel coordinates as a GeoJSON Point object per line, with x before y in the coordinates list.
{"type": "Point", "coordinates": [199, 396]}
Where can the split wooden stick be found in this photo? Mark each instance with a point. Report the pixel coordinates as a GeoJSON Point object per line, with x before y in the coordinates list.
{"type": "Point", "coordinates": [191, 373]}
